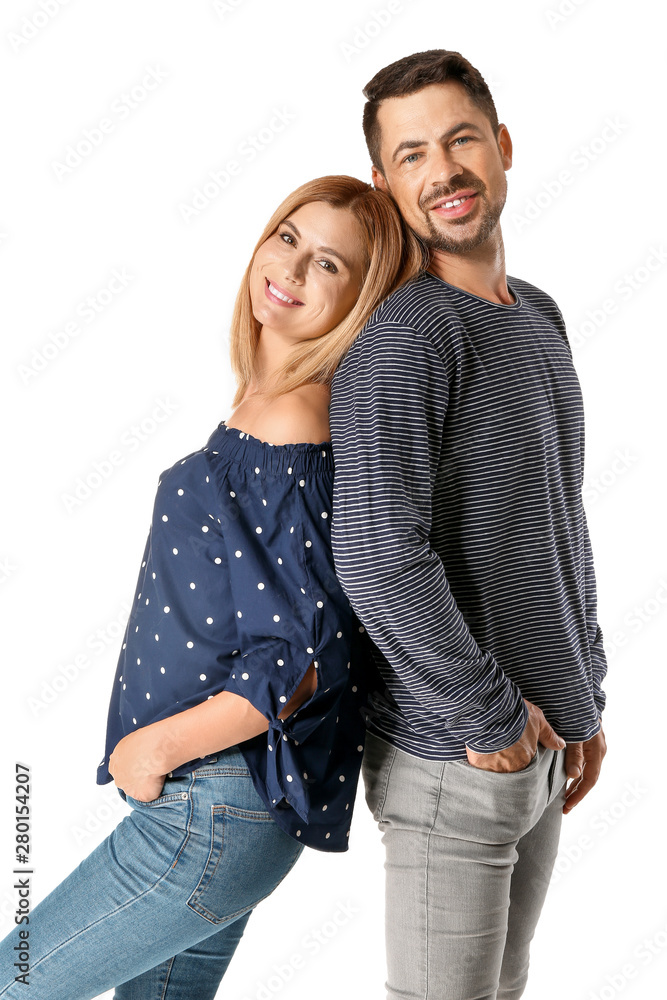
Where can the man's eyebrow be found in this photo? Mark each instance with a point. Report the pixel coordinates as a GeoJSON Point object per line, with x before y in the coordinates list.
{"type": "Point", "coordinates": [334, 253]}
{"type": "Point", "coordinates": [449, 134]}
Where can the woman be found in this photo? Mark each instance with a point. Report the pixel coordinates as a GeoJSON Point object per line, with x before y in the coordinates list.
{"type": "Point", "coordinates": [235, 725]}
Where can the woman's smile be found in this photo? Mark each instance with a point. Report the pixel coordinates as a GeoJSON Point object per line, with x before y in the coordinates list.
{"type": "Point", "coordinates": [277, 294]}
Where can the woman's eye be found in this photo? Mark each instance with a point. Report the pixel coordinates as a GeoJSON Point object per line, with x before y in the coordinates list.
{"type": "Point", "coordinates": [288, 235]}
{"type": "Point", "coordinates": [330, 267]}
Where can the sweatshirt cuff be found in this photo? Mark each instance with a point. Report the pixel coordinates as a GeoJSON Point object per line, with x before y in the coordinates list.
{"type": "Point", "coordinates": [503, 731]}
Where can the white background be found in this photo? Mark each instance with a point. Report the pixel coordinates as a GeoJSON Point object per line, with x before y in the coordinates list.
{"type": "Point", "coordinates": [557, 79]}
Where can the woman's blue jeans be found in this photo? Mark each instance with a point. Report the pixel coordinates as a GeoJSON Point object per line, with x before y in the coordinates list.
{"type": "Point", "coordinates": [158, 908]}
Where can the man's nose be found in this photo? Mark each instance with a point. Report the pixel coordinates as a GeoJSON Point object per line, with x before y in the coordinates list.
{"type": "Point", "coordinates": [444, 166]}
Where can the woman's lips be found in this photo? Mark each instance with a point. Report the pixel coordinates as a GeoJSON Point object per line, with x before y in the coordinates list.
{"type": "Point", "coordinates": [276, 298]}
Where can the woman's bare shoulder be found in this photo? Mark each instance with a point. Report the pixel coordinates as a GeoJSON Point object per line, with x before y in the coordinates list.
{"type": "Point", "coordinates": [299, 416]}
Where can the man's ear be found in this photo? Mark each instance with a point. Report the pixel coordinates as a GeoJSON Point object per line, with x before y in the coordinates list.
{"type": "Point", "coordinates": [378, 179]}
{"type": "Point", "coordinates": [504, 146]}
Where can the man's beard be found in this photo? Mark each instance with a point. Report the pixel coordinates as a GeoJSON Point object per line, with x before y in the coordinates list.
{"type": "Point", "coordinates": [435, 239]}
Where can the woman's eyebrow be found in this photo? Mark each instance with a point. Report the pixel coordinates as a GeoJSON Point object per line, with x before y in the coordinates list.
{"type": "Point", "coordinates": [334, 253]}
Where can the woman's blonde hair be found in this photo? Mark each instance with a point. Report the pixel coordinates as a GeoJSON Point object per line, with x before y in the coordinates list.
{"type": "Point", "coordinates": [393, 255]}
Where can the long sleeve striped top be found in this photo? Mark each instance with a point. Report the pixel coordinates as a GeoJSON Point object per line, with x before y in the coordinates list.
{"type": "Point", "coordinates": [458, 531]}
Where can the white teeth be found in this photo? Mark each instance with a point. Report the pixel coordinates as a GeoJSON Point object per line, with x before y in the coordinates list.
{"type": "Point", "coordinates": [457, 201]}
{"type": "Point", "coordinates": [285, 298]}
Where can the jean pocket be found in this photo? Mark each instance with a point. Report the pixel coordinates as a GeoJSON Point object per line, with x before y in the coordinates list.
{"type": "Point", "coordinates": [557, 775]}
{"type": "Point", "coordinates": [178, 790]}
{"type": "Point", "coordinates": [530, 766]}
{"type": "Point", "coordinates": [495, 807]}
{"type": "Point", "coordinates": [249, 856]}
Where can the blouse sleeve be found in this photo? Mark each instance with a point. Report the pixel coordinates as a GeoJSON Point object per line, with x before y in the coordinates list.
{"type": "Point", "coordinates": [290, 612]}
{"type": "Point", "coordinates": [178, 639]}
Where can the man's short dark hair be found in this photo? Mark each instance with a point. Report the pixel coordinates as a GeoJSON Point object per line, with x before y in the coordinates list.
{"type": "Point", "coordinates": [413, 73]}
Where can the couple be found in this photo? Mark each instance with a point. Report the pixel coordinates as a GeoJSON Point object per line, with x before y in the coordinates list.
{"type": "Point", "coordinates": [427, 614]}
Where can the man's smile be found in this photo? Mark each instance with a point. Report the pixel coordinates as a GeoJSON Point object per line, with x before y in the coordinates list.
{"type": "Point", "coordinates": [456, 205]}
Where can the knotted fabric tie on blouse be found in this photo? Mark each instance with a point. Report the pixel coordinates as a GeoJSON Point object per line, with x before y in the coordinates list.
{"type": "Point", "coordinates": [282, 772]}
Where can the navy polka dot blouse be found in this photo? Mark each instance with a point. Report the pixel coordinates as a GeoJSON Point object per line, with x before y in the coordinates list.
{"type": "Point", "coordinates": [237, 592]}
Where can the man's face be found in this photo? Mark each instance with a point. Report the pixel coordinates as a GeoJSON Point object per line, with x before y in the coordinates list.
{"type": "Point", "coordinates": [438, 147]}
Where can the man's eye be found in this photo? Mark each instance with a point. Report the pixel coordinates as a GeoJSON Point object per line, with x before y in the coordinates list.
{"type": "Point", "coordinates": [410, 158]}
{"type": "Point", "coordinates": [463, 138]}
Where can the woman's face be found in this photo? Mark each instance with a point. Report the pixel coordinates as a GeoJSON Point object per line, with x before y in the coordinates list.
{"type": "Point", "coordinates": [308, 275]}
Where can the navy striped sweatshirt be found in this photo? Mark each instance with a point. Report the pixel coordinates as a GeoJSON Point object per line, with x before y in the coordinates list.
{"type": "Point", "coordinates": [459, 534]}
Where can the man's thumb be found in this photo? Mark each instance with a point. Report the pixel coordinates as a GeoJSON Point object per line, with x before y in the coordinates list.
{"type": "Point", "coordinates": [549, 738]}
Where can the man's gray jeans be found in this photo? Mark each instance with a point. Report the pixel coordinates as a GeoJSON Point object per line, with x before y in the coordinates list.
{"type": "Point", "coordinates": [469, 856]}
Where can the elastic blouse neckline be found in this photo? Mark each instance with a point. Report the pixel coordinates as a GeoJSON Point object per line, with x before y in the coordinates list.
{"type": "Point", "coordinates": [285, 459]}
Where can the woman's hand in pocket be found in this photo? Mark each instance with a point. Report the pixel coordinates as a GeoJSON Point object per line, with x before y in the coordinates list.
{"type": "Point", "coordinates": [135, 765]}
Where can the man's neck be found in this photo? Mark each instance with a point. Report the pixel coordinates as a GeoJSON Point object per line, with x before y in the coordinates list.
{"type": "Point", "coordinates": [480, 272]}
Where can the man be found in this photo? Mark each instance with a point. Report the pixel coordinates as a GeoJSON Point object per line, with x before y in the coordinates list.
{"type": "Point", "coordinates": [460, 539]}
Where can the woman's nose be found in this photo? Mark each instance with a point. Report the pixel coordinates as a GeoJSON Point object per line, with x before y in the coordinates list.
{"type": "Point", "coordinates": [295, 270]}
